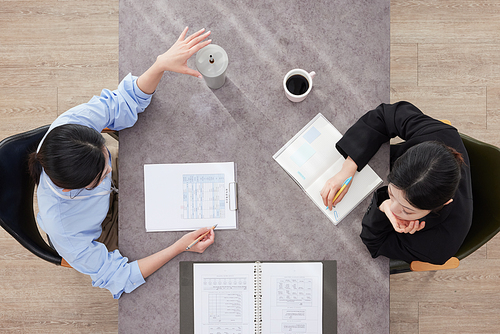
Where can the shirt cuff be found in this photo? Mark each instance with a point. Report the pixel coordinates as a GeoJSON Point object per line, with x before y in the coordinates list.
{"type": "Point", "coordinates": [135, 275]}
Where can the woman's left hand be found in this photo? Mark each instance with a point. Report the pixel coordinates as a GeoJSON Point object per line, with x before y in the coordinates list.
{"type": "Point", "coordinates": [401, 226]}
{"type": "Point", "coordinates": [409, 226]}
{"type": "Point", "coordinates": [175, 59]}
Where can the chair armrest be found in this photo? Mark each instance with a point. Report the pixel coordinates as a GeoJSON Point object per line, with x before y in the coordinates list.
{"type": "Point", "coordinates": [452, 263]}
{"type": "Point", "coordinates": [65, 264]}
{"type": "Point", "coordinates": [114, 134]}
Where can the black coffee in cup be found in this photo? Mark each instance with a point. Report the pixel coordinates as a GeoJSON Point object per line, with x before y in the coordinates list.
{"type": "Point", "coordinates": [297, 84]}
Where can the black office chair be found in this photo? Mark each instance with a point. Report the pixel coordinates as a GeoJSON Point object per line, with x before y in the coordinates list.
{"type": "Point", "coordinates": [16, 193]}
{"type": "Point", "coordinates": [485, 174]}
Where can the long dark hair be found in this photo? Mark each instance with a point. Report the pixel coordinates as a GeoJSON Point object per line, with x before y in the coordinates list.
{"type": "Point", "coordinates": [428, 174]}
{"type": "Point", "coordinates": [72, 156]}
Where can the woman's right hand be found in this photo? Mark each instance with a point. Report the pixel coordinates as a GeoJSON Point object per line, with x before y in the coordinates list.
{"type": "Point", "coordinates": [333, 185]}
{"type": "Point", "coordinates": [190, 237]}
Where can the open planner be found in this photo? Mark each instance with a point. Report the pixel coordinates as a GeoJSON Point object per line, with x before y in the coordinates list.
{"type": "Point", "coordinates": [181, 197]}
{"type": "Point", "coordinates": [255, 297]}
{"type": "Point", "coordinates": [310, 158]}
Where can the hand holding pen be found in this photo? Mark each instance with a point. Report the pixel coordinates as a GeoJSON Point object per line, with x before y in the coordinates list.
{"type": "Point", "coordinates": [332, 191]}
{"type": "Point", "coordinates": [201, 237]}
{"type": "Point", "coordinates": [344, 185]}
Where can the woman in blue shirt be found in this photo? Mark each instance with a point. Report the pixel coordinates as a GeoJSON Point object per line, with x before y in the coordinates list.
{"type": "Point", "coordinates": [72, 169]}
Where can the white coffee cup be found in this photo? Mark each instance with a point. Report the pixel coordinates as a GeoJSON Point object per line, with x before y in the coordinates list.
{"type": "Point", "coordinates": [298, 88]}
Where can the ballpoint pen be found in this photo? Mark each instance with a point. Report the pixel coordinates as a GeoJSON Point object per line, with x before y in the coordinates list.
{"type": "Point", "coordinates": [201, 237]}
{"type": "Point", "coordinates": [346, 182]}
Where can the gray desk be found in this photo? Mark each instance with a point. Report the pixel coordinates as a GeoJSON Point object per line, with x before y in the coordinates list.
{"type": "Point", "coordinates": [246, 121]}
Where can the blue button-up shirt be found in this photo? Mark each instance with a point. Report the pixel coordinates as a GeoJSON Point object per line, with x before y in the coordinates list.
{"type": "Point", "coordinates": [73, 219]}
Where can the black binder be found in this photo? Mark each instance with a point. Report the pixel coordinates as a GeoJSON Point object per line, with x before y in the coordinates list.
{"type": "Point", "coordinates": [186, 280]}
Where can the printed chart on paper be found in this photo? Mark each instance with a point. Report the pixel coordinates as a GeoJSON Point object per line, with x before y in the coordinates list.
{"type": "Point", "coordinates": [203, 196]}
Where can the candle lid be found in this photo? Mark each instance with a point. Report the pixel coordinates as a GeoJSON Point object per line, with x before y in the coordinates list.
{"type": "Point", "coordinates": [212, 60]}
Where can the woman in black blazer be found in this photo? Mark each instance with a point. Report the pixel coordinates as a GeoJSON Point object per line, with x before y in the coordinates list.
{"type": "Point", "coordinates": [425, 212]}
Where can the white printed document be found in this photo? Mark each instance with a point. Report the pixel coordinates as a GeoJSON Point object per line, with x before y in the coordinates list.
{"type": "Point", "coordinates": [182, 197]}
{"type": "Point", "coordinates": [311, 159]}
{"type": "Point", "coordinates": [239, 298]}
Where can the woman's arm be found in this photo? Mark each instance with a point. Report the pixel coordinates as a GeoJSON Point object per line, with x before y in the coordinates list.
{"type": "Point", "coordinates": [363, 139]}
{"type": "Point", "coordinates": [387, 121]}
{"type": "Point", "coordinates": [152, 263]}
{"type": "Point", "coordinates": [174, 60]}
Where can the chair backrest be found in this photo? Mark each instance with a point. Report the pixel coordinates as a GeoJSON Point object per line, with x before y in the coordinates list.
{"type": "Point", "coordinates": [485, 175]}
{"type": "Point", "coordinates": [16, 193]}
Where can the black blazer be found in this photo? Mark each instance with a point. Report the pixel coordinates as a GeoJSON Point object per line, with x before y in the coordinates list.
{"type": "Point", "coordinates": [444, 231]}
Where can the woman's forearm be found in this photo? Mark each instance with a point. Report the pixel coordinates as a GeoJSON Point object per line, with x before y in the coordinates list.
{"type": "Point", "coordinates": [152, 263]}
{"type": "Point", "coordinates": [150, 79]}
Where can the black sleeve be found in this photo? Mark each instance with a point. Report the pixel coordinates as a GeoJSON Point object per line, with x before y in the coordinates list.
{"type": "Point", "coordinates": [375, 225]}
{"type": "Point", "coordinates": [378, 126]}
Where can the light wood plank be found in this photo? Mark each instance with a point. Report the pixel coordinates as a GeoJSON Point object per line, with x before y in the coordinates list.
{"type": "Point", "coordinates": [460, 317]}
{"type": "Point", "coordinates": [475, 64]}
{"type": "Point", "coordinates": [36, 104]}
{"type": "Point", "coordinates": [51, 318]}
{"type": "Point", "coordinates": [445, 11]}
{"type": "Point", "coordinates": [404, 317]}
{"type": "Point", "coordinates": [45, 281]}
{"type": "Point", "coordinates": [465, 107]}
{"type": "Point", "coordinates": [57, 66]}
{"type": "Point", "coordinates": [422, 32]}
{"type": "Point", "coordinates": [494, 247]}
{"type": "Point", "coordinates": [11, 249]}
{"type": "Point", "coordinates": [74, 94]}
{"type": "Point", "coordinates": [52, 22]}
{"type": "Point", "coordinates": [493, 108]}
{"type": "Point", "coordinates": [403, 65]}
{"type": "Point", "coordinates": [474, 280]}
{"type": "Point", "coordinates": [4, 234]}
{"type": "Point", "coordinates": [55, 57]}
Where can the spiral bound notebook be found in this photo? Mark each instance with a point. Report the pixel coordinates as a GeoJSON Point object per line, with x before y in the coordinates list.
{"type": "Point", "coordinates": [255, 297]}
{"type": "Point", "coordinates": [310, 158]}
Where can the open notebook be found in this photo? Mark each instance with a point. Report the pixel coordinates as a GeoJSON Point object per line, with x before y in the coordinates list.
{"type": "Point", "coordinates": [258, 297]}
{"type": "Point", "coordinates": [310, 158]}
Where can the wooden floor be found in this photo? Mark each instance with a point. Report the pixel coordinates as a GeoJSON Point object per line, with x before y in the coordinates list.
{"type": "Point", "coordinates": [445, 58]}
